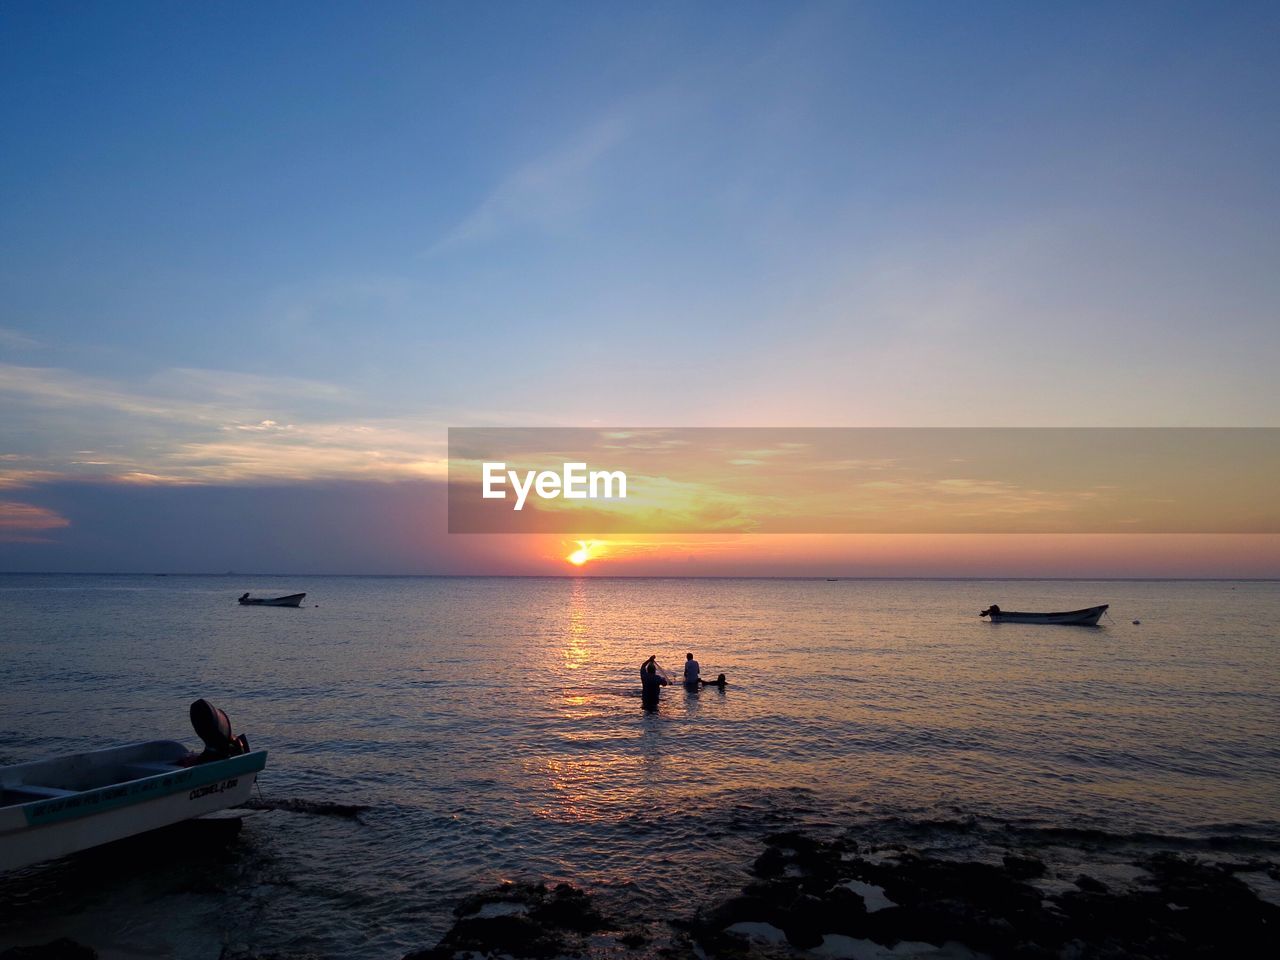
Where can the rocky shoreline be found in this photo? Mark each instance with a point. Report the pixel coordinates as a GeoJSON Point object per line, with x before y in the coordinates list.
{"type": "Point", "coordinates": [828, 898]}
{"type": "Point", "coordinates": [837, 901]}
{"type": "Point", "coordinates": [832, 898]}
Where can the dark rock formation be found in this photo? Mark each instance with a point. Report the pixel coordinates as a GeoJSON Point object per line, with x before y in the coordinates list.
{"type": "Point", "coordinates": [1023, 868]}
{"type": "Point", "coordinates": [1178, 907]}
{"type": "Point", "coordinates": [521, 920]}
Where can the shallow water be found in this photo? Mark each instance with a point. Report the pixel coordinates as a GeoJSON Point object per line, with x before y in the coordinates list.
{"type": "Point", "coordinates": [493, 729]}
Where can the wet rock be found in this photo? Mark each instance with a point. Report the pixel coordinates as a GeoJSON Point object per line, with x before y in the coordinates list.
{"type": "Point", "coordinates": [775, 890]}
{"type": "Point", "coordinates": [794, 841]}
{"type": "Point", "coordinates": [743, 909]}
{"type": "Point", "coordinates": [520, 920]}
{"type": "Point", "coordinates": [1216, 906]}
{"type": "Point", "coordinates": [1023, 868]}
{"type": "Point", "coordinates": [1100, 922]}
{"type": "Point", "coordinates": [1090, 885]}
{"type": "Point", "coordinates": [568, 908]}
{"type": "Point", "coordinates": [912, 880]}
{"type": "Point", "coordinates": [61, 949]}
{"type": "Point", "coordinates": [796, 855]}
{"type": "Point", "coordinates": [771, 863]}
{"type": "Point", "coordinates": [803, 921]}
{"type": "Point", "coordinates": [842, 911]}
{"type": "Point", "coordinates": [509, 892]}
{"type": "Point", "coordinates": [515, 936]}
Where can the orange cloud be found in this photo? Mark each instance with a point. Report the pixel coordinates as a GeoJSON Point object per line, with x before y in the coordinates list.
{"type": "Point", "coordinates": [18, 521]}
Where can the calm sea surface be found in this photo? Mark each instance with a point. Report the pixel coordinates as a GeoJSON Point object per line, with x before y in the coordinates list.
{"type": "Point", "coordinates": [493, 729]}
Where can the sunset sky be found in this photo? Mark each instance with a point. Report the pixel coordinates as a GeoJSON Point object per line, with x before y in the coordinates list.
{"type": "Point", "coordinates": [256, 259]}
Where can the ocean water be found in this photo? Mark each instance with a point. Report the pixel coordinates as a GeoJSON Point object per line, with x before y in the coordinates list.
{"type": "Point", "coordinates": [492, 728]}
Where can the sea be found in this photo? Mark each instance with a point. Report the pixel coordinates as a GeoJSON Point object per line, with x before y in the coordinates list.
{"type": "Point", "coordinates": [492, 728]}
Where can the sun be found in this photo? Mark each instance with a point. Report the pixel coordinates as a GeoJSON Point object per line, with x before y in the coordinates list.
{"type": "Point", "coordinates": [582, 554]}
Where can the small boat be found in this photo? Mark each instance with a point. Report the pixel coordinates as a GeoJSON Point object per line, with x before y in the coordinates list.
{"type": "Point", "coordinates": [292, 600]}
{"type": "Point", "coordinates": [51, 808]}
{"type": "Point", "coordinates": [1088, 617]}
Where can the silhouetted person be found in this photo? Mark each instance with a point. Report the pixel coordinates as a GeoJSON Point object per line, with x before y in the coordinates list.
{"type": "Point", "coordinates": [691, 671]}
{"type": "Point", "coordinates": [650, 681]}
{"type": "Point", "coordinates": [719, 681]}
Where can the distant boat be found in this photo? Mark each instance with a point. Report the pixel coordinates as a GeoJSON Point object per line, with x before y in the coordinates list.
{"type": "Point", "coordinates": [51, 808]}
{"type": "Point", "coordinates": [292, 600]}
{"type": "Point", "coordinates": [1088, 617]}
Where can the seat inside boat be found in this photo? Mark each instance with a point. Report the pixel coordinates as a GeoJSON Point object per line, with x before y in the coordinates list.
{"type": "Point", "coordinates": [64, 776]}
{"type": "Point", "coordinates": [29, 793]}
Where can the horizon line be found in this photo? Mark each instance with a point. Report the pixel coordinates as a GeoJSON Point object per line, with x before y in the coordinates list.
{"type": "Point", "coordinates": [589, 576]}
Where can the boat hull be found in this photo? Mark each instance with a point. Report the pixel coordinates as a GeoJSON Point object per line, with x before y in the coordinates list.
{"type": "Point", "coordinates": [1088, 617]}
{"type": "Point", "coordinates": [62, 821]}
{"type": "Point", "coordinates": [293, 600]}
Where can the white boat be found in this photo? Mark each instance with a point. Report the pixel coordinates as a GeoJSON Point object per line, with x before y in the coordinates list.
{"type": "Point", "coordinates": [1088, 617]}
{"type": "Point", "coordinates": [51, 808]}
{"type": "Point", "coordinates": [292, 600]}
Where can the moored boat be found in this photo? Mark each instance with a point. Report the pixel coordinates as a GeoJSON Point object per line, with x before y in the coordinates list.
{"type": "Point", "coordinates": [292, 600]}
{"type": "Point", "coordinates": [1088, 617]}
{"type": "Point", "coordinates": [54, 807]}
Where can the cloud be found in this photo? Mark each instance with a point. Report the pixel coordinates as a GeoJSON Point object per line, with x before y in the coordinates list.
{"type": "Point", "coordinates": [202, 426]}
{"type": "Point", "coordinates": [15, 479]}
{"type": "Point", "coordinates": [180, 393]}
{"type": "Point", "coordinates": [545, 195]}
{"type": "Point", "coordinates": [234, 386]}
{"type": "Point", "coordinates": [20, 521]}
{"type": "Point", "coordinates": [17, 340]}
{"type": "Point", "coordinates": [54, 387]}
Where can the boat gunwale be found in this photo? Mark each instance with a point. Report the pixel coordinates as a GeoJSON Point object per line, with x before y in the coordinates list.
{"type": "Point", "coordinates": [121, 793]}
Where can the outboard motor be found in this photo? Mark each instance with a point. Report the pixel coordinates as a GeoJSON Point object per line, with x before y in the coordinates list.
{"type": "Point", "coordinates": [214, 728]}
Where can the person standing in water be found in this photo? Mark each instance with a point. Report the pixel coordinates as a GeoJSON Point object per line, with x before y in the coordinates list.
{"type": "Point", "coordinates": [691, 671]}
{"type": "Point", "coordinates": [650, 681]}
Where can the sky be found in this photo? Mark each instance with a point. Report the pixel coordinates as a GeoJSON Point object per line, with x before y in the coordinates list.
{"type": "Point", "coordinates": [255, 259]}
